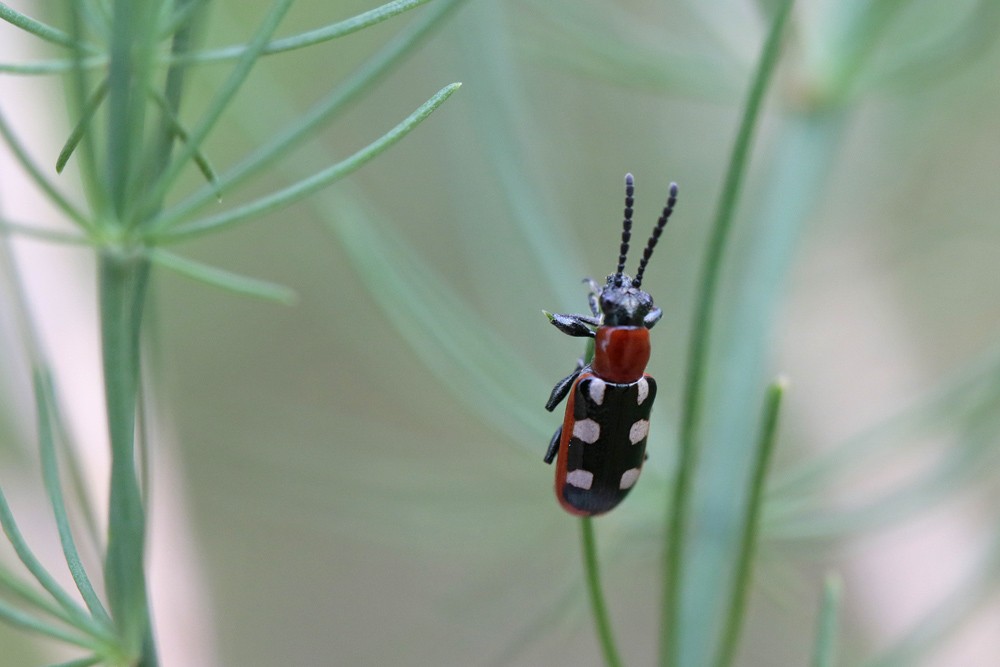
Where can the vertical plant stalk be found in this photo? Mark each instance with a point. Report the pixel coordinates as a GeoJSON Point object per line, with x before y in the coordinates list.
{"type": "Point", "coordinates": [592, 573]}
{"type": "Point", "coordinates": [122, 287]}
{"type": "Point", "coordinates": [602, 620]}
{"type": "Point", "coordinates": [748, 540]}
{"type": "Point", "coordinates": [825, 651]}
{"type": "Point", "coordinates": [128, 71]}
{"type": "Point", "coordinates": [173, 88]}
{"type": "Point", "coordinates": [701, 332]}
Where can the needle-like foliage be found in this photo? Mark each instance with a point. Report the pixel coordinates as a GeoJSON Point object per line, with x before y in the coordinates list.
{"type": "Point", "coordinates": [126, 63]}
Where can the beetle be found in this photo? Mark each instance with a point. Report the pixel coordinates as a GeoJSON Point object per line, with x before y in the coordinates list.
{"type": "Point", "coordinates": [601, 443]}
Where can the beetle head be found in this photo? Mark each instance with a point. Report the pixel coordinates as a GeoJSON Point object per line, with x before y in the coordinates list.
{"type": "Point", "coordinates": [622, 301]}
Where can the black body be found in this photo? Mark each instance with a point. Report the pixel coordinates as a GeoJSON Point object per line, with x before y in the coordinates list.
{"type": "Point", "coordinates": [613, 453]}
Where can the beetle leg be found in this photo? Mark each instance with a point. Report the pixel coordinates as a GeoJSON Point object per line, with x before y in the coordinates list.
{"type": "Point", "coordinates": [652, 317]}
{"type": "Point", "coordinates": [561, 390]}
{"type": "Point", "coordinates": [594, 305]}
{"type": "Point", "coordinates": [595, 289]}
{"type": "Point", "coordinates": [574, 325]}
{"type": "Point", "coordinates": [550, 454]}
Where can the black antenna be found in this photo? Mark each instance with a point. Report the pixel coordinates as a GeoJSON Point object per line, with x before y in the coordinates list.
{"type": "Point", "coordinates": [660, 224]}
{"type": "Point", "coordinates": [626, 227]}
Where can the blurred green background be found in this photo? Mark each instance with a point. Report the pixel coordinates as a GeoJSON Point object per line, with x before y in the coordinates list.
{"type": "Point", "coordinates": [363, 470]}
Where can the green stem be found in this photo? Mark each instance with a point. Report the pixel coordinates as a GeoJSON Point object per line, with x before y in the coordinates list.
{"type": "Point", "coordinates": [86, 121]}
{"type": "Point", "coordinates": [169, 101]}
{"type": "Point", "coordinates": [305, 186]}
{"type": "Point", "coordinates": [597, 604]}
{"type": "Point", "coordinates": [79, 87]}
{"type": "Point", "coordinates": [825, 651]}
{"type": "Point", "coordinates": [72, 612]}
{"type": "Point", "coordinates": [306, 39]}
{"type": "Point", "coordinates": [220, 278]}
{"type": "Point", "coordinates": [13, 587]}
{"type": "Point", "coordinates": [153, 200]}
{"type": "Point", "coordinates": [37, 28]}
{"type": "Point", "coordinates": [34, 231]}
{"type": "Point", "coordinates": [39, 177]}
{"type": "Point", "coordinates": [346, 92]}
{"type": "Point", "coordinates": [701, 334]}
{"type": "Point", "coordinates": [19, 619]}
{"type": "Point", "coordinates": [44, 401]}
{"type": "Point", "coordinates": [122, 285]}
{"type": "Point", "coordinates": [128, 73]}
{"type": "Point", "coordinates": [748, 541]}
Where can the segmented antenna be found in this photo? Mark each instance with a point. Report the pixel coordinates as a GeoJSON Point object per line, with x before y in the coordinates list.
{"type": "Point", "coordinates": [660, 224]}
{"type": "Point", "coordinates": [626, 227]}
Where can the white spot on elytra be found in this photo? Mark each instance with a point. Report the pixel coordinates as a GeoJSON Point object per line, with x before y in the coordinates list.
{"type": "Point", "coordinates": [597, 388]}
{"type": "Point", "coordinates": [628, 478]}
{"type": "Point", "coordinates": [639, 430]}
{"type": "Point", "coordinates": [643, 387]}
{"type": "Point", "coordinates": [580, 478]}
{"type": "Point", "coordinates": [587, 430]}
